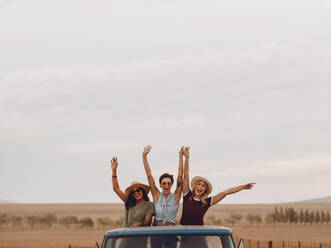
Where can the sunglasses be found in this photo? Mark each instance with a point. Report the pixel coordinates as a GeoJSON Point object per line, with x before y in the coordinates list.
{"type": "Point", "coordinates": [166, 183]}
{"type": "Point", "coordinates": [136, 190]}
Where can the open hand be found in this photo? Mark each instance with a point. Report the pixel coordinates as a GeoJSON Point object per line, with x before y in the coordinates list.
{"type": "Point", "coordinates": [147, 150]}
{"type": "Point", "coordinates": [136, 224]}
{"type": "Point", "coordinates": [114, 163]}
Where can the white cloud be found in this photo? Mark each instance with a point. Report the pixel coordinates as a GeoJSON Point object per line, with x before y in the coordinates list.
{"type": "Point", "coordinates": [240, 85]}
{"type": "Point", "coordinates": [180, 123]}
{"type": "Point", "coordinates": [101, 146]}
{"type": "Point", "coordinates": [278, 181]}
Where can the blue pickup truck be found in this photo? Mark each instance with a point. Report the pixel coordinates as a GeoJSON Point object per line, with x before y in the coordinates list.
{"type": "Point", "coordinates": [170, 236]}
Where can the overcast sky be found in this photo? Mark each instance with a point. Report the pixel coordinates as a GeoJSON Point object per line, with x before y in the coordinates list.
{"type": "Point", "coordinates": [245, 84]}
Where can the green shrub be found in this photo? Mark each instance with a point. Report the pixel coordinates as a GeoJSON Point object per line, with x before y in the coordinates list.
{"type": "Point", "coordinates": [235, 218]}
{"type": "Point", "coordinates": [253, 218]}
{"type": "Point", "coordinates": [119, 221]}
{"type": "Point", "coordinates": [4, 219]}
{"type": "Point", "coordinates": [105, 221]}
{"type": "Point", "coordinates": [86, 222]}
{"type": "Point", "coordinates": [31, 220]}
{"type": "Point", "coordinates": [16, 221]}
{"type": "Point", "coordinates": [270, 218]}
{"type": "Point", "coordinates": [47, 220]}
{"type": "Point", "coordinates": [69, 220]}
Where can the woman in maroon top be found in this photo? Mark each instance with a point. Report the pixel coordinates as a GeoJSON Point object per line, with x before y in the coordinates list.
{"type": "Point", "coordinates": [196, 201]}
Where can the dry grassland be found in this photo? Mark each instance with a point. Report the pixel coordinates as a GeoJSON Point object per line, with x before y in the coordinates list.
{"type": "Point", "coordinates": [50, 238]}
{"type": "Point", "coordinates": [80, 210]}
{"type": "Point", "coordinates": [57, 237]}
{"type": "Point", "coordinates": [226, 209]}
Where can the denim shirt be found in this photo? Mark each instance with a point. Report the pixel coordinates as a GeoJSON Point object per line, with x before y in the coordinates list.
{"type": "Point", "coordinates": [166, 210]}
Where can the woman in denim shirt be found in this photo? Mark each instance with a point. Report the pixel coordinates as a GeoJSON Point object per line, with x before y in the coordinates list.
{"type": "Point", "coordinates": [166, 203]}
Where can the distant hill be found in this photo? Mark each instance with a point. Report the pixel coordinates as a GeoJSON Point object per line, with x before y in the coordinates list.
{"type": "Point", "coordinates": [319, 200]}
{"type": "Point", "coordinates": [5, 201]}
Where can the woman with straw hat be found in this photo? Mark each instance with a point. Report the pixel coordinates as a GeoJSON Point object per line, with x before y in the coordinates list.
{"type": "Point", "coordinates": [196, 201]}
{"type": "Point", "coordinates": [138, 209]}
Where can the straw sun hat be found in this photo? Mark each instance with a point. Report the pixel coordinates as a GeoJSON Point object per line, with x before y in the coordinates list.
{"type": "Point", "coordinates": [135, 185]}
{"type": "Point", "coordinates": [195, 181]}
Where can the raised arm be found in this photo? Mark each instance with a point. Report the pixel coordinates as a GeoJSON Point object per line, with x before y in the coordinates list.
{"type": "Point", "coordinates": [179, 186]}
{"type": "Point", "coordinates": [186, 187]}
{"type": "Point", "coordinates": [155, 192]}
{"type": "Point", "coordinates": [116, 187]}
{"type": "Point", "coordinates": [222, 195]}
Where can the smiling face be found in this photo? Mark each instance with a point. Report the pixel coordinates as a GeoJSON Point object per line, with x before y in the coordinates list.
{"type": "Point", "coordinates": [137, 193]}
{"type": "Point", "coordinates": [166, 185]}
{"type": "Point", "coordinates": [200, 188]}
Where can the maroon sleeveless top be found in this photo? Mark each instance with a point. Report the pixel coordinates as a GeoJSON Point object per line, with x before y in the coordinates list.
{"type": "Point", "coordinates": [193, 210]}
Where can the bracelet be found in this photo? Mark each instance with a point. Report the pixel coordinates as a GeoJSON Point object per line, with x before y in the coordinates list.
{"type": "Point", "coordinates": [114, 176]}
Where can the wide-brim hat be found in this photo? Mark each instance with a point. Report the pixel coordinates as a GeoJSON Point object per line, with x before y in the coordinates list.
{"type": "Point", "coordinates": [196, 179]}
{"type": "Point", "coordinates": [136, 185]}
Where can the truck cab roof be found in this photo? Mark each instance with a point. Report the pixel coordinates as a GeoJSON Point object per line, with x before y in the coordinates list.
{"type": "Point", "coordinates": [168, 230]}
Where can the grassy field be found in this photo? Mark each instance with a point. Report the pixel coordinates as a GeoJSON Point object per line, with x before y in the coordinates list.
{"type": "Point", "coordinates": [59, 236]}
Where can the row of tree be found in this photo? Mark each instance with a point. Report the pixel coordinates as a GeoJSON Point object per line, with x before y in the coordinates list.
{"type": "Point", "coordinates": [235, 218]}
{"type": "Point", "coordinates": [290, 215]}
{"type": "Point", "coordinates": [51, 220]}
{"type": "Point", "coordinates": [287, 215]}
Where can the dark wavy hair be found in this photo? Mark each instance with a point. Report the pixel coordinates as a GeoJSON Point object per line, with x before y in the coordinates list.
{"type": "Point", "coordinates": [165, 175]}
{"type": "Point", "coordinates": [131, 201]}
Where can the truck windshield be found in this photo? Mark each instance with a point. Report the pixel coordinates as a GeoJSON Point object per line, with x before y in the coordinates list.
{"type": "Point", "coordinates": [171, 241]}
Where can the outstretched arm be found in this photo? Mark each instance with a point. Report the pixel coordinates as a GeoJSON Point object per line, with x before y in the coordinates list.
{"type": "Point", "coordinates": [116, 187]}
{"type": "Point", "coordinates": [179, 186]}
{"type": "Point", "coordinates": [186, 187]}
{"type": "Point", "coordinates": [155, 192]}
{"type": "Point", "coordinates": [222, 195]}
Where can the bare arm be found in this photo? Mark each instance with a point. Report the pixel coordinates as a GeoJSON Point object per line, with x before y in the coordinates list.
{"type": "Point", "coordinates": [186, 187]}
{"type": "Point", "coordinates": [155, 192]}
{"type": "Point", "coordinates": [147, 221]}
{"type": "Point", "coordinates": [116, 186]}
{"type": "Point", "coordinates": [179, 186]}
{"type": "Point", "coordinates": [222, 195]}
